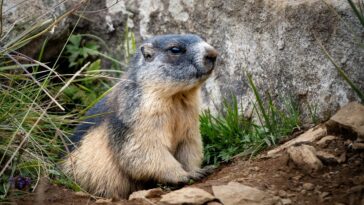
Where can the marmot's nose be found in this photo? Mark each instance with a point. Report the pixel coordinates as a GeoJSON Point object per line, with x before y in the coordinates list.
{"type": "Point", "coordinates": [210, 56]}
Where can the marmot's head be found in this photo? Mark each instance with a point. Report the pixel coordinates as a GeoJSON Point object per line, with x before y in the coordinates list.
{"type": "Point", "coordinates": [173, 63]}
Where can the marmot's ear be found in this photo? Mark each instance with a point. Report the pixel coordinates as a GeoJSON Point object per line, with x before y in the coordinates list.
{"type": "Point", "coordinates": [147, 51]}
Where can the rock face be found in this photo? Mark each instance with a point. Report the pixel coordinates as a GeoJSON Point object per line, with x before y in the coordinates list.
{"type": "Point", "coordinates": [275, 41]}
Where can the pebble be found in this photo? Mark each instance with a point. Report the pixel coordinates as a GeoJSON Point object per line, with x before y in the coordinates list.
{"type": "Point", "coordinates": [143, 194]}
{"type": "Point", "coordinates": [82, 194]}
{"type": "Point", "coordinates": [213, 203]}
{"type": "Point", "coordinates": [324, 196]}
{"type": "Point", "coordinates": [297, 178]}
{"type": "Point", "coordinates": [282, 193]}
{"type": "Point", "coordinates": [286, 201]}
{"type": "Point", "coordinates": [357, 145]}
{"type": "Point", "coordinates": [325, 140]}
{"type": "Point", "coordinates": [308, 186]}
{"type": "Point", "coordinates": [103, 201]}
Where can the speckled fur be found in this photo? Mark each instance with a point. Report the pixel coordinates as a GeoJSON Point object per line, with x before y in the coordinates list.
{"type": "Point", "coordinates": [148, 130]}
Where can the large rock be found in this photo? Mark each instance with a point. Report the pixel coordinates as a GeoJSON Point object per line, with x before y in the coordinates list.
{"type": "Point", "coordinates": [275, 41]}
{"type": "Point", "coordinates": [350, 117]}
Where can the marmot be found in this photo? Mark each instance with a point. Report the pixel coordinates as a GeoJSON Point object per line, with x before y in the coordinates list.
{"type": "Point", "coordinates": [147, 128]}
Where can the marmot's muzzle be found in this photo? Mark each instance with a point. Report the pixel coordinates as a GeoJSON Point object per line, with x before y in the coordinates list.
{"type": "Point", "coordinates": [210, 59]}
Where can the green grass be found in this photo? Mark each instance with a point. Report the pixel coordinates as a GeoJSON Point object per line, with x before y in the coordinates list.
{"type": "Point", "coordinates": [39, 107]}
{"type": "Point", "coordinates": [229, 133]}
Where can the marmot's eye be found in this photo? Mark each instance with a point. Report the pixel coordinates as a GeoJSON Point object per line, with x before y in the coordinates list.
{"type": "Point", "coordinates": [176, 50]}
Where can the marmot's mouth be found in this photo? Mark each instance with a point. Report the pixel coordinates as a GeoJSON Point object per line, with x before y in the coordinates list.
{"type": "Point", "coordinates": [210, 68]}
{"type": "Point", "coordinates": [202, 74]}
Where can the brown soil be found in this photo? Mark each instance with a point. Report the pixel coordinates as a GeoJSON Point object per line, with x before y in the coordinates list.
{"type": "Point", "coordinates": [334, 184]}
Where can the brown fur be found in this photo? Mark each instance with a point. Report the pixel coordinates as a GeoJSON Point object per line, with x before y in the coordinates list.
{"type": "Point", "coordinates": [167, 124]}
{"type": "Point", "coordinates": [93, 166]}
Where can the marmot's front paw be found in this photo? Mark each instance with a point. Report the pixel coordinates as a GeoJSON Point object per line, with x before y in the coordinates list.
{"type": "Point", "coordinates": [194, 175]}
{"type": "Point", "coordinates": [198, 174]}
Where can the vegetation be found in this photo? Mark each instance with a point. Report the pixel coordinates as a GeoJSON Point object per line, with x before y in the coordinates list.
{"type": "Point", "coordinates": [230, 133]}
{"type": "Point", "coordinates": [39, 106]}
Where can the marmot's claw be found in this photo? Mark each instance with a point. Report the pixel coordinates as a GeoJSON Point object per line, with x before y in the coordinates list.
{"type": "Point", "coordinates": [209, 169]}
{"type": "Point", "coordinates": [201, 173]}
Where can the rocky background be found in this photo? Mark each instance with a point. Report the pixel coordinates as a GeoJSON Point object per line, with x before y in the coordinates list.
{"type": "Point", "coordinates": [276, 41]}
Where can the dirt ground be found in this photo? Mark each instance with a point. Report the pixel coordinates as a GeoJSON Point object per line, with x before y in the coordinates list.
{"type": "Point", "coordinates": [335, 184]}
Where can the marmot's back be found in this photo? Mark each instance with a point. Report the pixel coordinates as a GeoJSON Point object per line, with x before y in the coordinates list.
{"type": "Point", "coordinates": [147, 128]}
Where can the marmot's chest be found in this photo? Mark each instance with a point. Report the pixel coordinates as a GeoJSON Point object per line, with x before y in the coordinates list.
{"type": "Point", "coordinates": [170, 121]}
{"type": "Point", "coordinates": [182, 122]}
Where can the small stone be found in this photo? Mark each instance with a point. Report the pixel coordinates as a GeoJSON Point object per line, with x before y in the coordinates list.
{"type": "Point", "coordinates": [324, 196]}
{"type": "Point", "coordinates": [188, 195]}
{"type": "Point", "coordinates": [308, 186]}
{"type": "Point", "coordinates": [151, 193]}
{"type": "Point", "coordinates": [357, 146]}
{"type": "Point", "coordinates": [273, 192]}
{"type": "Point", "coordinates": [214, 203]}
{"type": "Point", "coordinates": [291, 195]}
{"type": "Point", "coordinates": [327, 157]}
{"type": "Point", "coordinates": [357, 180]}
{"type": "Point", "coordinates": [286, 201]}
{"type": "Point", "coordinates": [256, 169]}
{"type": "Point", "coordinates": [356, 189]}
{"type": "Point", "coordinates": [342, 158]}
{"type": "Point", "coordinates": [82, 194]}
{"type": "Point", "coordinates": [310, 135]}
{"type": "Point", "coordinates": [103, 201]}
{"type": "Point", "coordinates": [325, 140]}
{"type": "Point", "coordinates": [282, 193]}
{"type": "Point", "coordinates": [277, 199]}
{"type": "Point", "coordinates": [304, 156]}
{"type": "Point", "coordinates": [236, 194]}
{"type": "Point", "coordinates": [297, 178]}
